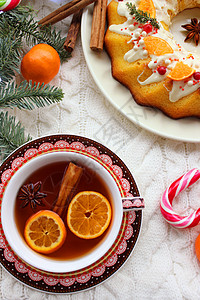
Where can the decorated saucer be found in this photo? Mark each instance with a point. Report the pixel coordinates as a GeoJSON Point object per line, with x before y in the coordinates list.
{"type": "Point", "coordinates": [107, 265]}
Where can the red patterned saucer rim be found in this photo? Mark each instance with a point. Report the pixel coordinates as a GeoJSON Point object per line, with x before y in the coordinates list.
{"type": "Point", "coordinates": [127, 237]}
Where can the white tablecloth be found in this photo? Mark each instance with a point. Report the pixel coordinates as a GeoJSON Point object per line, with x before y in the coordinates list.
{"type": "Point", "coordinates": [163, 264]}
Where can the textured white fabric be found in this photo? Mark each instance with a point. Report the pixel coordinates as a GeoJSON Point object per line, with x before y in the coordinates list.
{"type": "Point", "coordinates": [163, 264]}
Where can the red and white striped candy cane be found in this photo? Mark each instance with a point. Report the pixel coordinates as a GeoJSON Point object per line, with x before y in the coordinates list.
{"type": "Point", "coordinates": [6, 5]}
{"type": "Point", "coordinates": [171, 192]}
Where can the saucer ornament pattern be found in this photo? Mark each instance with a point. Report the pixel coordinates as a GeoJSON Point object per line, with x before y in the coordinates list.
{"type": "Point", "coordinates": [131, 203]}
{"type": "Point", "coordinates": [67, 283]}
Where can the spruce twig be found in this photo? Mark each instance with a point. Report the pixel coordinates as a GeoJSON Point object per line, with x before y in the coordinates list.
{"type": "Point", "coordinates": [16, 26]}
{"type": "Point", "coordinates": [141, 16]}
{"type": "Point", "coordinates": [12, 135]}
{"type": "Point", "coordinates": [21, 21]}
{"type": "Point", "coordinates": [28, 96]}
{"type": "Point", "coordinates": [10, 54]}
{"type": "Point", "coordinates": [50, 36]}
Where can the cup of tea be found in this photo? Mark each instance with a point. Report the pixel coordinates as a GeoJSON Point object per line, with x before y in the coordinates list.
{"type": "Point", "coordinates": [76, 253]}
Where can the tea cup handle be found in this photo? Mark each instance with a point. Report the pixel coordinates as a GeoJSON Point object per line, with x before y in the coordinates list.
{"type": "Point", "coordinates": [133, 203]}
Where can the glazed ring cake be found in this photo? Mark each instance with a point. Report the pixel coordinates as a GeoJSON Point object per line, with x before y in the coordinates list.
{"type": "Point", "coordinates": [148, 61]}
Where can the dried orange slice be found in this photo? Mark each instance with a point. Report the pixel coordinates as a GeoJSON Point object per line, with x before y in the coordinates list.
{"type": "Point", "coordinates": [45, 231]}
{"type": "Point", "coordinates": [157, 46]}
{"type": "Point", "coordinates": [147, 6]}
{"type": "Point", "coordinates": [89, 214]}
{"type": "Point", "coordinates": [181, 71]}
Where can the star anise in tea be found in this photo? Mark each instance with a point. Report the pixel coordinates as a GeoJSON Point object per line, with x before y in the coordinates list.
{"type": "Point", "coordinates": [193, 30]}
{"type": "Point", "coordinates": [30, 194]}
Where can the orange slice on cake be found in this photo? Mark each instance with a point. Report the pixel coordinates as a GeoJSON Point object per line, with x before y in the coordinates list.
{"type": "Point", "coordinates": [89, 214]}
{"type": "Point", "coordinates": [148, 7]}
{"type": "Point", "coordinates": [157, 46]}
{"type": "Point", "coordinates": [181, 71]}
{"type": "Point", "coordinates": [45, 232]}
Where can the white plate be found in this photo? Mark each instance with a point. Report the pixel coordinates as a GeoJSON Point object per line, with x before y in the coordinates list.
{"type": "Point", "coordinates": [148, 118]}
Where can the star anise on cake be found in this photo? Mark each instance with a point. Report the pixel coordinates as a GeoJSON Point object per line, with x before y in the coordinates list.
{"type": "Point", "coordinates": [30, 194]}
{"type": "Point", "coordinates": [194, 30]}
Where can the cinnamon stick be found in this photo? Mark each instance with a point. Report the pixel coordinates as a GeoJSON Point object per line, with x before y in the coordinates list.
{"type": "Point", "coordinates": [67, 189]}
{"type": "Point", "coordinates": [98, 25]}
{"type": "Point", "coordinates": [64, 11]}
{"type": "Point", "coordinates": [73, 31]}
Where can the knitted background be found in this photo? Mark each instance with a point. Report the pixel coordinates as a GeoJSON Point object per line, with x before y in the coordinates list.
{"type": "Point", "coordinates": [163, 264]}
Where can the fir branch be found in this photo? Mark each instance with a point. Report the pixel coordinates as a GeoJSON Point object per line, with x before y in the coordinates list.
{"type": "Point", "coordinates": [52, 37]}
{"type": "Point", "coordinates": [11, 19]}
{"type": "Point", "coordinates": [12, 134]}
{"type": "Point", "coordinates": [10, 55]}
{"type": "Point", "coordinates": [141, 16]}
{"type": "Point", "coordinates": [15, 26]}
{"type": "Point", "coordinates": [28, 96]}
{"type": "Point", "coordinates": [21, 21]}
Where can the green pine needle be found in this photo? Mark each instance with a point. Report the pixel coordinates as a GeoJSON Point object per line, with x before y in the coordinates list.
{"type": "Point", "coordinates": [141, 16]}
{"type": "Point", "coordinates": [16, 26]}
{"type": "Point", "coordinates": [21, 21]}
{"type": "Point", "coordinates": [12, 18]}
{"type": "Point", "coordinates": [28, 96]}
{"type": "Point", "coordinates": [52, 37]}
{"type": "Point", "coordinates": [12, 134]}
{"type": "Point", "coordinates": [9, 57]}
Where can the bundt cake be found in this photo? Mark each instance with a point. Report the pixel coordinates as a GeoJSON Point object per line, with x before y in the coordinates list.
{"type": "Point", "coordinates": [146, 58]}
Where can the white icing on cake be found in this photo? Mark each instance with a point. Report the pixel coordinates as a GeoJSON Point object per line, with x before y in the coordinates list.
{"type": "Point", "coordinates": [134, 29]}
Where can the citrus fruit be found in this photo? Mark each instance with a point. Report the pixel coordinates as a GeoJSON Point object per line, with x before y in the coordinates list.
{"type": "Point", "coordinates": [157, 46]}
{"type": "Point", "coordinates": [197, 247]}
{"type": "Point", "coordinates": [181, 71]}
{"type": "Point", "coordinates": [148, 7]}
{"type": "Point", "coordinates": [89, 214]}
{"type": "Point", "coordinates": [45, 231]}
{"type": "Point", "coordinates": [165, 26]}
{"type": "Point", "coordinates": [41, 64]}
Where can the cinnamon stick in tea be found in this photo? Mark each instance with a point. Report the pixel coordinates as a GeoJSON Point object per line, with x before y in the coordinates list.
{"type": "Point", "coordinates": [64, 11]}
{"type": "Point", "coordinates": [98, 25]}
{"type": "Point", "coordinates": [73, 31]}
{"type": "Point", "coordinates": [67, 189]}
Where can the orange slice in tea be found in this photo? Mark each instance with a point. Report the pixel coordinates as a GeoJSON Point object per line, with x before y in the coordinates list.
{"type": "Point", "coordinates": [45, 232]}
{"type": "Point", "coordinates": [148, 7]}
{"type": "Point", "coordinates": [89, 214]}
{"type": "Point", "coordinates": [181, 71]}
{"type": "Point", "coordinates": [157, 46]}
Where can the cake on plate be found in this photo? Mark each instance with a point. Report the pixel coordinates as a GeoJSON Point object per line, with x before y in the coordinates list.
{"type": "Point", "coordinates": [146, 58]}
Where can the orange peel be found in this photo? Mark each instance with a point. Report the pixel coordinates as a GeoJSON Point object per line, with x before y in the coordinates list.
{"type": "Point", "coordinates": [89, 214]}
{"type": "Point", "coordinates": [45, 231]}
{"type": "Point", "coordinates": [157, 46]}
{"type": "Point", "coordinates": [181, 71]}
{"type": "Point", "coordinates": [148, 7]}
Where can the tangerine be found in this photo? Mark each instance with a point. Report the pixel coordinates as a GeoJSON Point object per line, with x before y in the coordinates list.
{"type": "Point", "coordinates": [181, 71]}
{"type": "Point", "coordinates": [197, 247]}
{"type": "Point", "coordinates": [147, 6]}
{"type": "Point", "coordinates": [89, 214]}
{"type": "Point", "coordinates": [41, 64]}
{"type": "Point", "coordinates": [157, 46]}
{"type": "Point", "coordinates": [45, 231]}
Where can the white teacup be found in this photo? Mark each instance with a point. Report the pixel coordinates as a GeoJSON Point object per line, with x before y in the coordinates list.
{"type": "Point", "coordinates": [19, 245]}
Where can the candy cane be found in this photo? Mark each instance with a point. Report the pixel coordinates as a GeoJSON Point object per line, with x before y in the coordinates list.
{"type": "Point", "coordinates": [171, 192]}
{"type": "Point", "coordinates": [6, 5]}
